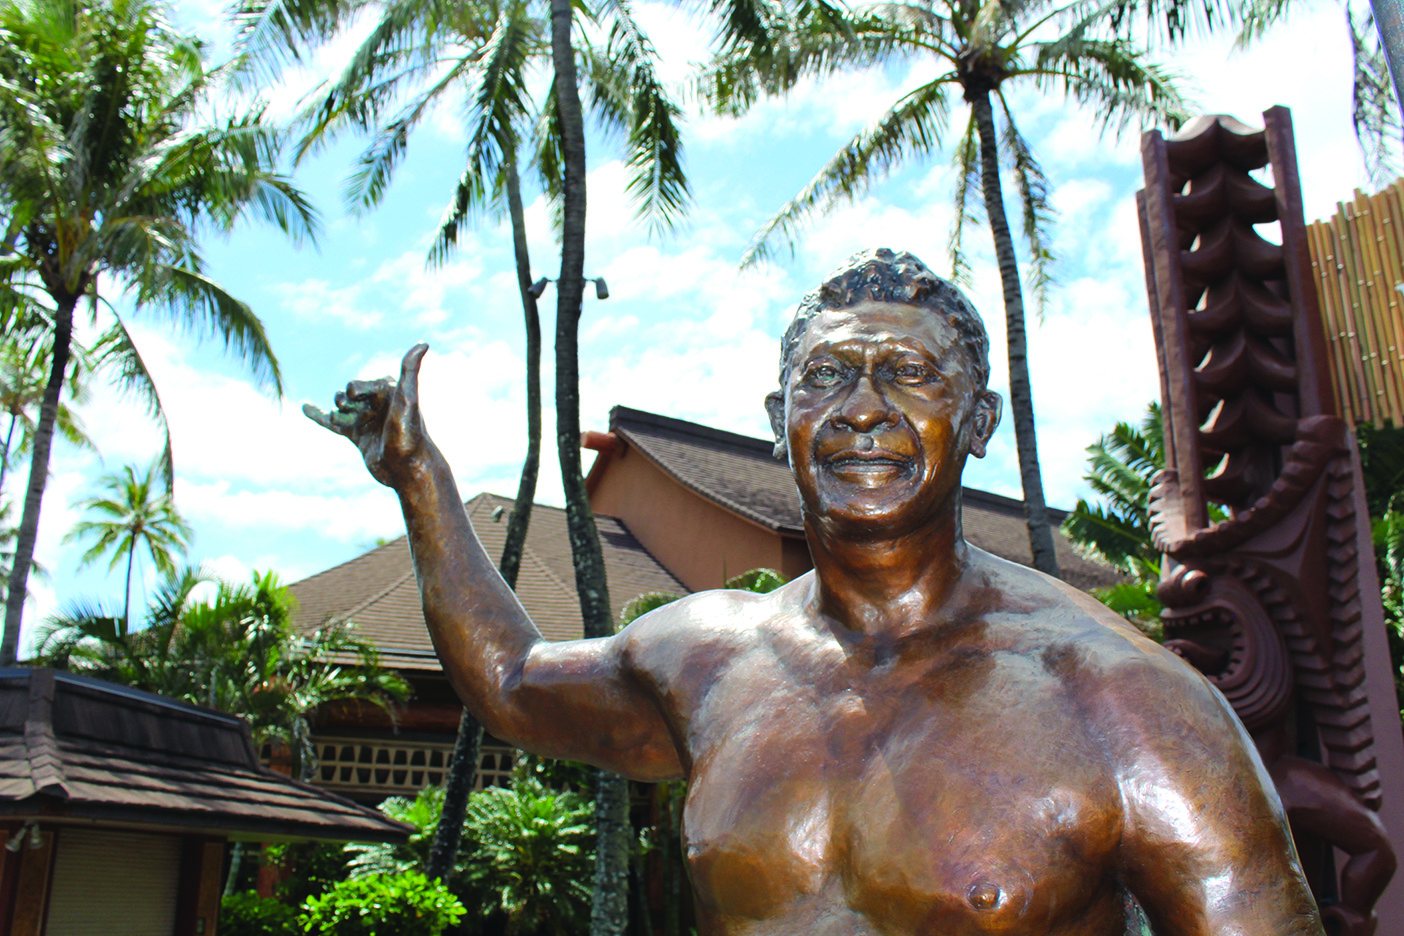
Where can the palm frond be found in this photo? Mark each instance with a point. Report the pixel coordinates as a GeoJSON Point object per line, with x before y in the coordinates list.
{"type": "Point", "coordinates": [1375, 111]}
{"type": "Point", "coordinates": [967, 209]}
{"type": "Point", "coordinates": [550, 160]}
{"type": "Point", "coordinates": [117, 354]}
{"type": "Point", "coordinates": [404, 47]}
{"type": "Point", "coordinates": [812, 48]}
{"type": "Point", "coordinates": [213, 312]}
{"type": "Point", "coordinates": [377, 162]}
{"type": "Point", "coordinates": [631, 87]}
{"type": "Point", "coordinates": [1037, 210]}
{"type": "Point", "coordinates": [270, 34]}
{"type": "Point", "coordinates": [1111, 77]}
{"type": "Point", "coordinates": [913, 126]}
{"type": "Point", "coordinates": [499, 106]}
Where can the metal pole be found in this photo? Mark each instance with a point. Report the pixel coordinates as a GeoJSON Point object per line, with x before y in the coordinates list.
{"type": "Point", "coordinates": [1389, 20]}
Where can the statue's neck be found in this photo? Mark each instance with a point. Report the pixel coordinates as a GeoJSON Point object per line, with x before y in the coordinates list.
{"type": "Point", "coordinates": [889, 586]}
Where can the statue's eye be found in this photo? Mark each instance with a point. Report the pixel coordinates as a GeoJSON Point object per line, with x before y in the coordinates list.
{"type": "Point", "coordinates": [823, 375]}
{"type": "Point", "coordinates": [913, 373]}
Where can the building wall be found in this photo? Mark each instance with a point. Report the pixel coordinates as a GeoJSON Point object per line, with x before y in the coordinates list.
{"type": "Point", "coordinates": [699, 542]}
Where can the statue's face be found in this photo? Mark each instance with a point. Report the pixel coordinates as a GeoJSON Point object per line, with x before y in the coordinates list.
{"type": "Point", "coordinates": [882, 406]}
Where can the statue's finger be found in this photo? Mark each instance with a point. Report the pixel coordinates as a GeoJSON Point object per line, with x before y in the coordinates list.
{"type": "Point", "coordinates": [317, 416]}
{"type": "Point", "coordinates": [409, 372]}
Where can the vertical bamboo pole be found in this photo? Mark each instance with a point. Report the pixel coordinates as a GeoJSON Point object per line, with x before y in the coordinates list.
{"type": "Point", "coordinates": [1353, 283]}
{"type": "Point", "coordinates": [1323, 265]}
{"type": "Point", "coordinates": [1392, 248]}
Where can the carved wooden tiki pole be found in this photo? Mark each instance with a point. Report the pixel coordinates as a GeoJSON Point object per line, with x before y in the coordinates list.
{"type": "Point", "coordinates": [1277, 602]}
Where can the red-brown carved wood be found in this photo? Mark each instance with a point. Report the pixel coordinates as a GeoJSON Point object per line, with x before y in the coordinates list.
{"type": "Point", "coordinates": [1275, 603]}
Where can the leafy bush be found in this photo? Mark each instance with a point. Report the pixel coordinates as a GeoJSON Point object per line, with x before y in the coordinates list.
{"type": "Point", "coordinates": [531, 856]}
{"type": "Point", "coordinates": [406, 904]}
{"type": "Point", "coordinates": [248, 914]}
{"type": "Point", "coordinates": [423, 813]}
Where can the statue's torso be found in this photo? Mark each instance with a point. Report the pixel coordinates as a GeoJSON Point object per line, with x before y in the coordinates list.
{"type": "Point", "coordinates": [952, 788]}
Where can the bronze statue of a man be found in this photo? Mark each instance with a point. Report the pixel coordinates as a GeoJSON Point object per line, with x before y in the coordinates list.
{"type": "Point", "coordinates": [915, 739]}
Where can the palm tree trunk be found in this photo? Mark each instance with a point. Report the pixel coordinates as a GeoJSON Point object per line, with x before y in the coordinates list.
{"type": "Point", "coordinates": [609, 913]}
{"type": "Point", "coordinates": [18, 588]}
{"type": "Point", "coordinates": [464, 766]}
{"type": "Point", "coordinates": [127, 600]}
{"type": "Point", "coordinates": [1020, 389]}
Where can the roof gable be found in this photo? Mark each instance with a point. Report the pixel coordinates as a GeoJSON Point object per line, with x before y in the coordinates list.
{"type": "Point", "coordinates": [378, 593]}
{"type": "Point", "coordinates": [73, 747]}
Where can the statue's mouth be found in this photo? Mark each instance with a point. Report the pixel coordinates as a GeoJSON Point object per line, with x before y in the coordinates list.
{"type": "Point", "coordinates": [870, 465]}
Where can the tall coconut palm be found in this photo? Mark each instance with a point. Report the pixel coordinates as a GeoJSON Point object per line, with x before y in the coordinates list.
{"type": "Point", "coordinates": [133, 512]}
{"type": "Point", "coordinates": [110, 170]}
{"type": "Point", "coordinates": [418, 52]}
{"type": "Point", "coordinates": [982, 48]}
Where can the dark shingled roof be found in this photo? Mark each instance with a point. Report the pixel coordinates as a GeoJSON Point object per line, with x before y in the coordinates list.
{"type": "Point", "coordinates": [741, 474]}
{"type": "Point", "coordinates": [79, 748]}
{"type": "Point", "coordinates": [378, 592]}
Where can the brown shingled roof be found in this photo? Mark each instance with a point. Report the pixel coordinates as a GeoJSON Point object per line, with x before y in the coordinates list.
{"type": "Point", "coordinates": [79, 748]}
{"type": "Point", "coordinates": [377, 591]}
{"type": "Point", "coordinates": [741, 474]}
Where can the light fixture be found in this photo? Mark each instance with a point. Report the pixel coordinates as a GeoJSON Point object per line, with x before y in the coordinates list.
{"type": "Point", "coordinates": [538, 287]}
{"type": "Point", "coordinates": [601, 290]}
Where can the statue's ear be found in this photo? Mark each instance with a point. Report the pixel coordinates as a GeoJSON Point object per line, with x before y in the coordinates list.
{"type": "Point", "coordinates": [984, 421]}
{"type": "Point", "coordinates": [775, 408]}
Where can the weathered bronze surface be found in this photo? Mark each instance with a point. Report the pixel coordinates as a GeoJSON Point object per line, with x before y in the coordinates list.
{"type": "Point", "coordinates": [1270, 602]}
{"type": "Point", "coordinates": [915, 738]}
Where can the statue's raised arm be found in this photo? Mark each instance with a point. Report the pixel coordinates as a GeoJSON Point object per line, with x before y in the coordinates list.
{"type": "Point", "coordinates": [575, 699]}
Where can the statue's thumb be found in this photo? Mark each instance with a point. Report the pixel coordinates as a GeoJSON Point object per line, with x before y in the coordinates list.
{"type": "Point", "coordinates": [409, 372]}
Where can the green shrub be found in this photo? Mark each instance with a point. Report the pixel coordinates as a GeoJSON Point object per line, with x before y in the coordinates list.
{"type": "Point", "coordinates": [406, 904]}
{"type": "Point", "coordinates": [248, 914]}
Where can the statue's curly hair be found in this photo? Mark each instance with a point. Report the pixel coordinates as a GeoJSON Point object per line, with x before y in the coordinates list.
{"type": "Point", "coordinates": [883, 275]}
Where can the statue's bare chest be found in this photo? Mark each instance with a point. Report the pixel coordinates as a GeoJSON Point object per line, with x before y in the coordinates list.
{"type": "Point", "coordinates": [961, 791]}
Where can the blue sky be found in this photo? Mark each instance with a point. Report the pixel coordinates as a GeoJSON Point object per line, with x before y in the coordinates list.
{"type": "Point", "coordinates": [683, 332]}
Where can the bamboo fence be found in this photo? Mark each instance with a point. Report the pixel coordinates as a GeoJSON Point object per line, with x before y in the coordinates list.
{"type": "Point", "coordinates": [1357, 261]}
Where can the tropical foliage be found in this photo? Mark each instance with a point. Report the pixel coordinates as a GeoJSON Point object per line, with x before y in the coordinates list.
{"type": "Point", "coordinates": [525, 854]}
{"type": "Point", "coordinates": [980, 50]}
{"type": "Point", "coordinates": [237, 652]}
{"type": "Point", "coordinates": [407, 904]}
{"type": "Point", "coordinates": [111, 170]}
{"type": "Point", "coordinates": [1120, 468]}
{"type": "Point", "coordinates": [134, 513]}
{"type": "Point", "coordinates": [532, 854]}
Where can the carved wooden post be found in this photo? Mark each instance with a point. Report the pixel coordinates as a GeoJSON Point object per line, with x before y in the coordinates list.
{"type": "Point", "coordinates": [1277, 602]}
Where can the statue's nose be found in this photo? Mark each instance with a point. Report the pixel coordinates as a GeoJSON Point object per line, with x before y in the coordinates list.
{"type": "Point", "coordinates": [866, 408]}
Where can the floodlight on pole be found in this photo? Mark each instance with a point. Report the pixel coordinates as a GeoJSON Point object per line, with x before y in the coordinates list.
{"type": "Point", "coordinates": [537, 288]}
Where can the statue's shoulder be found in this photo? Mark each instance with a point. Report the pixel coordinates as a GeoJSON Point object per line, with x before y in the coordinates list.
{"type": "Point", "coordinates": [717, 622]}
{"type": "Point", "coordinates": [1101, 657]}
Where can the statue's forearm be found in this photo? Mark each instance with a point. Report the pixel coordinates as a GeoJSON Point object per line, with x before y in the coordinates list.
{"type": "Point", "coordinates": [480, 631]}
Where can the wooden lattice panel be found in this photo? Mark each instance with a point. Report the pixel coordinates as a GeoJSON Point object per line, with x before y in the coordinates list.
{"type": "Point", "coordinates": [400, 768]}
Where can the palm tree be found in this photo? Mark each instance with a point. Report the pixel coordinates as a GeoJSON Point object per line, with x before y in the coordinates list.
{"type": "Point", "coordinates": [109, 171]}
{"type": "Point", "coordinates": [237, 652]}
{"type": "Point", "coordinates": [421, 49]}
{"type": "Point", "coordinates": [134, 513]}
{"type": "Point", "coordinates": [980, 47]}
